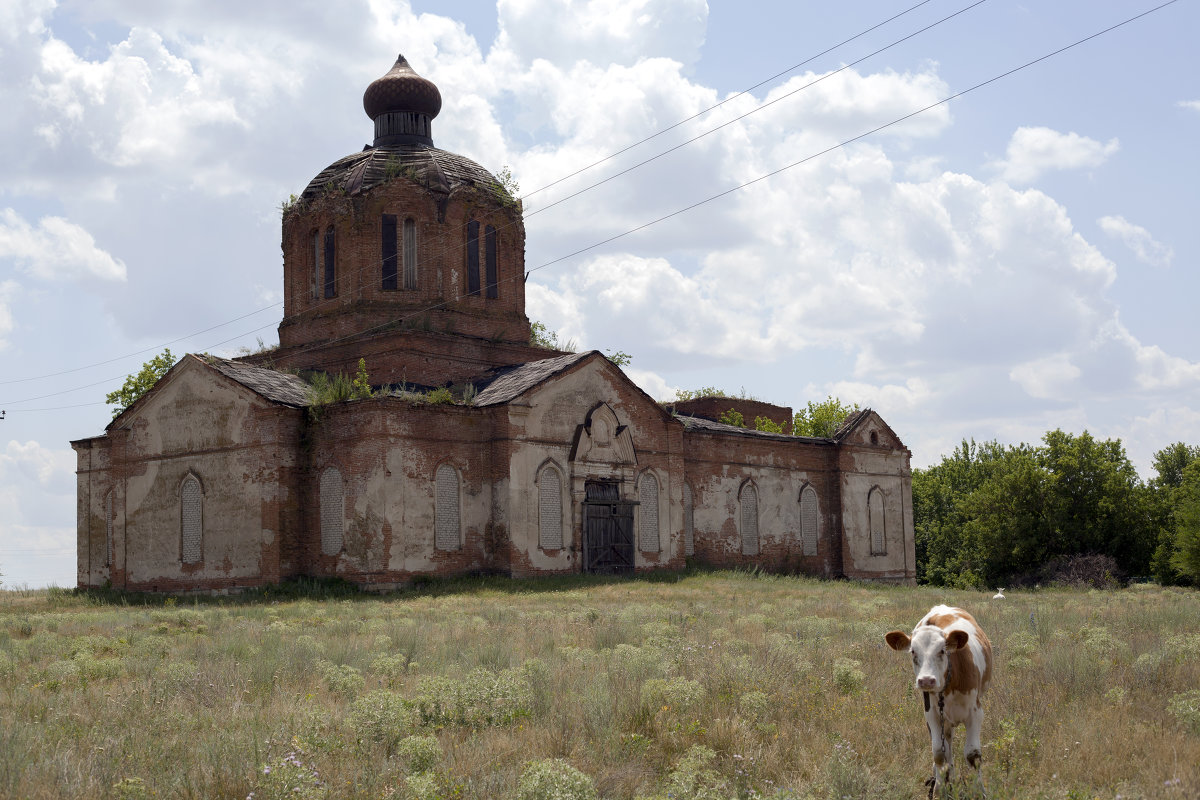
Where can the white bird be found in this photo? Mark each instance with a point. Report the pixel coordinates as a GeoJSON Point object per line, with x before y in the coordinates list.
{"type": "Point", "coordinates": [999, 595]}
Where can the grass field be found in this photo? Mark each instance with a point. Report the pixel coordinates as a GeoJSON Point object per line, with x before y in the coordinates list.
{"type": "Point", "coordinates": [707, 685]}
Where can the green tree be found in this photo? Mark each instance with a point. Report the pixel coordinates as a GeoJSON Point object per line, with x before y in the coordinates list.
{"type": "Point", "coordinates": [767, 424]}
{"type": "Point", "coordinates": [821, 419]}
{"type": "Point", "coordinates": [139, 383]}
{"type": "Point", "coordinates": [541, 336]}
{"type": "Point", "coordinates": [1185, 556]}
{"type": "Point", "coordinates": [733, 417]}
{"type": "Point", "coordinates": [1169, 463]}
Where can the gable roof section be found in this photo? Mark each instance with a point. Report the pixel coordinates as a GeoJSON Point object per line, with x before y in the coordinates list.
{"type": "Point", "coordinates": [276, 387]}
{"type": "Point", "coordinates": [504, 384]}
{"type": "Point", "coordinates": [860, 418]}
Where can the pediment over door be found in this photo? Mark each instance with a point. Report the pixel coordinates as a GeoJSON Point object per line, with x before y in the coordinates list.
{"type": "Point", "coordinates": [602, 439]}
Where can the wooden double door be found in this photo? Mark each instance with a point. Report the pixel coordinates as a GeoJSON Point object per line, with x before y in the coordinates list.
{"type": "Point", "coordinates": [607, 529]}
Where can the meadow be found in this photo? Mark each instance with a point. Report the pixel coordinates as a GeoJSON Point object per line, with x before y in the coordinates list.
{"type": "Point", "coordinates": [702, 685]}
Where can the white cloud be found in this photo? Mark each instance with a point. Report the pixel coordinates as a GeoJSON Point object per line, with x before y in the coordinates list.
{"type": "Point", "coordinates": [651, 383]}
{"type": "Point", "coordinates": [1052, 377]}
{"type": "Point", "coordinates": [56, 249]}
{"type": "Point", "coordinates": [1193, 105]}
{"type": "Point", "coordinates": [37, 504]}
{"type": "Point", "coordinates": [8, 290]}
{"type": "Point", "coordinates": [602, 31]}
{"type": "Point", "coordinates": [48, 467]}
{"type": "Point", "coordinates": [1034, 151]}
{"type": "Point", "coordinates": [1138, 240]}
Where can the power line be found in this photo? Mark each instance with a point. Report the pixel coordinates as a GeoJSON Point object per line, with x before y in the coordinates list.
{"type": "Point", "coordinates": [732, 190]}
{"type": "Point", "coordinates": [527, 195]}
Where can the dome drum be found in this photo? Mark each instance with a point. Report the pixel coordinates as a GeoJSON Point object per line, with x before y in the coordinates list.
{"type": "Point", "coordinates": [403, 127]}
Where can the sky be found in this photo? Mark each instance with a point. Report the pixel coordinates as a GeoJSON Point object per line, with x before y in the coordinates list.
{"type": "Point", "coordinates": [1018, 259]}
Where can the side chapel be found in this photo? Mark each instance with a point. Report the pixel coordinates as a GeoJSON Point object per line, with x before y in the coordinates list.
{"type": "Point", "coordinates": [227, 474]}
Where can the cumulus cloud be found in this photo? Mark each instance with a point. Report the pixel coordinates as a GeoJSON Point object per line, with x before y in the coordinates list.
{"type": "Point", "coordinates": [8, 290]}
{"type": "Point", "coordinates": [1138, 240]}
{"type": "Point", "coordinates": [602, 31]}
{"type": "Point", "coordinates": [55, 249]}
{"type": "Point", "coordinates": [1193, 105]}
{"type": "Point", "coordinates": [1052, 377]}
{"type": "Point", "coordinates": [1035, 151]}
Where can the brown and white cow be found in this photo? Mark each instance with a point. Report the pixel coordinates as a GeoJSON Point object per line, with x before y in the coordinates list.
{"type": "Point", "coordinates": [952, 660]}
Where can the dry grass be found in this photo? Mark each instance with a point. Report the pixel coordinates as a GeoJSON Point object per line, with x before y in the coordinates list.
{"type": "Point", "coordinates": [716, 685]}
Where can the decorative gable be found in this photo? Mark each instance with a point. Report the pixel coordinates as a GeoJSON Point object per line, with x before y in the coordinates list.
{"type": "Point", "coordinates": [602, 439]}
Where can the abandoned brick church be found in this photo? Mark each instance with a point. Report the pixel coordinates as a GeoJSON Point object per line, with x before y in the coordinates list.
{"type": "Point", "coordinates": [232, 473]}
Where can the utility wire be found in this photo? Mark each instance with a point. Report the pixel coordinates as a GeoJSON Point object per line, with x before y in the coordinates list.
{"type": "Point", "coordinates": [527, 195]}
{"type": "Point", "coordinates": [739, 187]}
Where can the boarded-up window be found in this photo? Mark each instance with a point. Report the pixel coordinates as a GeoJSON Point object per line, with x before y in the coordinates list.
{"type": "Point", "coordinates": [473, 257]}
{"type": "Point", "coordinates": [689, 523]}
{"type": "Point", "coordinates": [191, 515]}
{"type": "Point", "coordinates": [108, 528]}
{"type": "Point", "coordinates": [748, 501]}
{"type": "Point", "coordinates": [333, 511]}
{"type": "Point", "coordinates": [446, 514]}
{"type": "Point", "coordinates": [388, 248]}
{"type": "Point", "coordinates": [550, 511]}
{"type": "Point", "coordinates": [492, 270]}
{"type": "Point", "coordinates": [648, 514]}
{"type": "Point", "coordinates": [316, 273]}
{"type": "Point", "coordinates": [330, 261]}
{"type": "Point", "coordinates": [410, 254]}
{"type": "Point", "coordinates": [808, 520]}
{"type": "Point", "coordinates": [875, 512]}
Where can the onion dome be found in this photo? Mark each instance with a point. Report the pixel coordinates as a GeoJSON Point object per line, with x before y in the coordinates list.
{"type": "Point", "coordinates": [402, 104]}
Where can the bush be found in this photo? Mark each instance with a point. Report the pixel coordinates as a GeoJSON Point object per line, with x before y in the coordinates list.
{"type": "Point", "coordinates": [341, 679]}
{"type": "Point", "coordinates": [381, 717]}
{"type": "Point", "coordinates": [481, 699]}
{"type": "Point", "coordinates": [419, 753]}
{"type": "Point", "coordinates": [676, 693]}
{"type": "Point", "coordinates": [554, 779]}
{"type": "Point", "coordinates": [1185, 707]}
{"type": "Point", "coordinates": [847, 676]}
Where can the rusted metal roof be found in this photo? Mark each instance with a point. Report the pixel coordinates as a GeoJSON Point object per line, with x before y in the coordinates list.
{"type": "Point", "coordinates": [439, 170]}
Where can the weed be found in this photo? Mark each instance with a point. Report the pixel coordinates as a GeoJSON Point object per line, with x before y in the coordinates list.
{"type": "Point", "coordinates": [554, 779]}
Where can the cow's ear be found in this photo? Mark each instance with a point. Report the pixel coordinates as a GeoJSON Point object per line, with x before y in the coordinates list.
{"type": "Point", "coordinates": [956, 640]}
{"type": "Point", "coordinates": [897, 640]}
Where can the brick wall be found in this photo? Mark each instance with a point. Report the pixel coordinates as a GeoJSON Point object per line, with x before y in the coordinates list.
{"type": "Point", "coordinates": [713, 407]}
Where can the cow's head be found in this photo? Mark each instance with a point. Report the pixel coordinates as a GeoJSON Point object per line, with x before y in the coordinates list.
{"type": "Point", "coordinates": [931, 648]}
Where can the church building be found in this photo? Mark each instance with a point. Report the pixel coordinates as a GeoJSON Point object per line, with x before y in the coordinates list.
{"type": "Point", "coordinates": [475, 452]}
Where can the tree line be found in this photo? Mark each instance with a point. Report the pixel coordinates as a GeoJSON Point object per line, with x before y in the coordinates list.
{"type": "Point", "coordinates": [999, 515]}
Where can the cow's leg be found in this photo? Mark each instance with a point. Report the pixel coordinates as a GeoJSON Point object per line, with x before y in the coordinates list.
{"type": "Point", "coordinates": [972, 746]}
{"type": "Point", "coordinates": [939, 742]}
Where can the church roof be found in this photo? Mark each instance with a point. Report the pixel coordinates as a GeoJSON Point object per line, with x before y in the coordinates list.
{"type": "Point", "coordinates": [701, 424]}
{"type": "Point", "coordinates": [505, 384]}
{"type": "Point", "coordinates": [439, 170]}
{"type": "Point", "coordinates": [278, 387]}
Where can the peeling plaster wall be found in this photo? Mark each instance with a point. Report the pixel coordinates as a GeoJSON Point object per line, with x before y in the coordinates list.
{"type": "Point", "coordinates": [388, 452]}
{"type": "Point", "coordinates": [239, 447]}
{"type": "Point", "coordinates": [718, 465]}
{"type": "Point", "coordinates": [545, 424]}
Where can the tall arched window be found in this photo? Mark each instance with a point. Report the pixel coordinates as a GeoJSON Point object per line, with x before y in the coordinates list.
{"type": "Point", "coordinates": [550, 510]}
{"type": "Point", "coordinates": [318, 275]}
{"type": "Point", "coordinates": [808, 520]}
{"type": "Point", "coordinates": [333, 511]}
{"type": "Point", "coordinates": [191, 519]}
{"type": "Point", "coordinates": [447, 528]}
{"type": "Point", "coordinates": [648, 513]}
{"type": "Point", "coordinates": [473, 257]}
{"type": "Point", "coordinates": [689, 522]}
{"type": "Point", "coordinates": [492, 270]}
{"type": "Point", "coordinates": [108, 528]}
{"type": "Point", "coordinates": [330, 262]}
{"type": "Point", "coordinates": [748, 503]}
{"type": "Point", "coordinates": [387, 236]}
{"type": "Point", "coordinates": [878, 531]}
{"type": "Point", "coordinates": [410, 254]}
